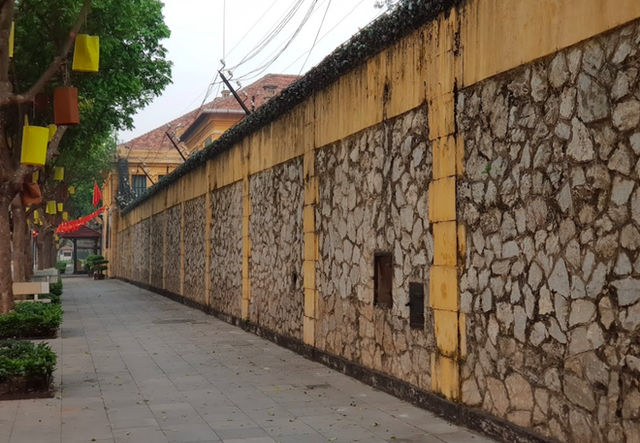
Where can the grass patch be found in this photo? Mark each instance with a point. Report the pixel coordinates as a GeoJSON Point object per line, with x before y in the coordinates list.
{"type": "Point", "coordinates": [31, 320]}
{"type": "Point", "coordinates": [26, 369]}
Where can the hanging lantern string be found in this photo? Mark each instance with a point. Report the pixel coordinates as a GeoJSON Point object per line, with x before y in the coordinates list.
{"type": "Point", "coordinates": [74, 225]}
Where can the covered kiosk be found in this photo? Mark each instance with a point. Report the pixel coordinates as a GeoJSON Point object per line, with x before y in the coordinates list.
{"type": "Point", "coordinates": [86, 241]}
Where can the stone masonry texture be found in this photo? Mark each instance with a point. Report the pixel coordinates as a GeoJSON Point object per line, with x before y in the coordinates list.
{"type": "Point", "coordinates": [226, 249]}
{"type": "Point", "coordinates": [373, 199]}
{"type": "Point", "coordinates": [124, 253]}
{"type": "Point", "coordinates": [140, 250]}
{"type": "Point", "coordinates": [549, 276]}
{"type": "Point", "coordinates": [277, 248]}
{"type": "Point", "coordinates": [194, 249]}
{"type": "Point", "coordinates": [172, 259]}
{"type": "Point", "coordinates": [157, 249]}
{"type": "Point", "coordinates": [551, 203]}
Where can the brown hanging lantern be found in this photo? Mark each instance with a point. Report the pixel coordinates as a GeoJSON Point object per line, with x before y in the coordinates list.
{"type": "Point", "coordinates": [65, 106]}
{"type": "Point", "coordinates": [31, 194]}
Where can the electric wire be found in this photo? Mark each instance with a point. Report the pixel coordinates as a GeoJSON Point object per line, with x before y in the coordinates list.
{"type": "Point", "coordinates": [261, 18]}
{"type": "Point", "coordinates": [207, 92]}
{"type": "Point", "coordinates": [325, 35]}
{"type": "Point", "coordinates": [315, 40]}
{"type": "Point", "coordinates": [280, 50]}
{"type": "Point", "coordinates": [271, 34]}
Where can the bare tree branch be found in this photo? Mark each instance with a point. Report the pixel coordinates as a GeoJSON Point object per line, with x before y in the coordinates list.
{"type": "Point", "coordinates": [54, 66]}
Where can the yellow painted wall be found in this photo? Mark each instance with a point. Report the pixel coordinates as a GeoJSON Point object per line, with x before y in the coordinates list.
{"type": "Point", "coordinates": [498, 35]}
{"type": "Point", "coordinates": [481, 39]}
{"type": "Point", "coordinates": [214, 127]}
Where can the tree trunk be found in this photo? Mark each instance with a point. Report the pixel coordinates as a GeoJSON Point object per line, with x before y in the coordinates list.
{"type": "Point", "coordinates": [6, 280]}
{"type": "Point", "coordinates": [54, 252]}
{"type": "Point", "coordinates": [47, 244]}
{"type": "Point", "coordinates": [28, 263]}
{"type": "Point", "coordinates": [18, 237]}
{"type": "Point", "coordinates": [40, 250]}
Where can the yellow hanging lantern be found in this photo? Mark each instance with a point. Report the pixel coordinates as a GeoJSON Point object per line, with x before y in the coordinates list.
{"type": "Point", "coordinates": [34, 145]}
{"type": "Point", "coordinates": [51, 207]}
{"type": "Point", "coordinates": [52, 131]}
{"type": "Point", "coordinates": [60, 207]}
{"type": "Point", "coordinates": [86, 54]}
{"type": "Point", "coordinates": [72, 190]}
{"type": "Point", "coordinates": [36, 217]}
{"type": "Point", "coordinates": [58, 173]}
{"type": "Point", "coordinates": [35, 176]}
{"type": "Point", "coordinates": [12, 38]}
{"type": "Point", "coordinates": [65, 216]}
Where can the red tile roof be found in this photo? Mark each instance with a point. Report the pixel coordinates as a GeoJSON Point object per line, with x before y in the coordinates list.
{"type": "Point", "coordinates": [253, 96]}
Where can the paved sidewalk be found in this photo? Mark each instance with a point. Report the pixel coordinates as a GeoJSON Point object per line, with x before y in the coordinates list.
{"type": "Point", "coordinates": [137, 367]}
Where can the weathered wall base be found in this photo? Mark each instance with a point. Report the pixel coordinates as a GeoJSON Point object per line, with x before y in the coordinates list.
{"type": "Point", "coordinates": [456, 413]}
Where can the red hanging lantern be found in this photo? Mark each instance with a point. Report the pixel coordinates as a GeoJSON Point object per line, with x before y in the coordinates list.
{"type": "Point", "coordinates": [65, 106]}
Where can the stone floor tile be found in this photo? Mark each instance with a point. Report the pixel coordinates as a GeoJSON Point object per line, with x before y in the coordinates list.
{"type": "Point", "coordinates": [241, 433]}
{"type": "Point", "coordinates": [127, 376]}
{"type": "Point", "coordinates": [140, 435]}
{"type": "Point", "coordinates": [251, 440]}
{"type": "Point", "coordinates": [187, 433]}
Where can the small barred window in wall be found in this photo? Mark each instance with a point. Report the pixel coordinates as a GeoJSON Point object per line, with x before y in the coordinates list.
{"type": "Point", "coordinates": [208, 141]}
{"type": "Point", "coordinates": [382, 280]}
{"type": "Point", "coordinates": [139, 184]}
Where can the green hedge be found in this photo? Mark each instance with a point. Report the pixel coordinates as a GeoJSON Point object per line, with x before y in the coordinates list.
{"type": "Point", "coordinates": [31, 320]}
{"type": "Point", "coordinates": [56, 288]}
{"type": "Point", "coordinates": [25, 364]}
{"type": "Point", "coordinates": [55, 299]}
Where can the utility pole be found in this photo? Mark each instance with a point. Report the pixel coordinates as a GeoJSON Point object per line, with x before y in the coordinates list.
{"type": "Point", "coordinates": [235, 94]}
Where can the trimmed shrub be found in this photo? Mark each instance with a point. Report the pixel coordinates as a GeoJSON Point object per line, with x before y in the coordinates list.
{"type": "Point", "coordinates": [55, 299]}
{"type": "Point", "coordinates": [25, 366]}
{"type": "Point", "coordinates": [56, 288]}
{"type": "Point", "coordinates": [31, 320]}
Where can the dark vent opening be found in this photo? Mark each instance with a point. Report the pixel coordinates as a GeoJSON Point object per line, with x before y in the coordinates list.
{"type": "Point", "coordinates": [383, 278]}
{"type": "Point", "coordinates": [416, 305]}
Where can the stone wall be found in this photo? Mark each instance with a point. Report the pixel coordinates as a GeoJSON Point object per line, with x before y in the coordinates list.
{"type": "Point", "coordinates": [140, 243]}
{"type": "Point", "coordinates": [373, 199]}
{"type": "Point", "coordinates": [172, 259]}
{"type": "Point", "coordinates": [277, 248]}
{"type": "Point", "coordinates": [124, 253]}
{"type": "Point", "coordinates": [551, 204]}
{"type": "Point", "coordinates": [157, 249]}
{"type": "Point", "coordinates": [194, 249]}
{"type": "Point", "coordinates": [538, 319]}
{"type": "Point", "coordinates": [226, 249]}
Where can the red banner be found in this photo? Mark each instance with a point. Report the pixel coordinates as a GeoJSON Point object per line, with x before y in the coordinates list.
{"type": "Point", "coordinates": [74, 225]}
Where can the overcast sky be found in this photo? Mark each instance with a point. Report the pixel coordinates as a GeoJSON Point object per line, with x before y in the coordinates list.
{"type": "Point", "coordinates": [196, 45]}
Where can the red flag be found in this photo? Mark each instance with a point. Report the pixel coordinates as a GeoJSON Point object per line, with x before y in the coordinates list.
{"type": "Point", "coordinates": [97, 195]}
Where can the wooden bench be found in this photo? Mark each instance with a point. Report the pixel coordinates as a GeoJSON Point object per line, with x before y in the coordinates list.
{"type": "Point", "coordinates": [31, 288]}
